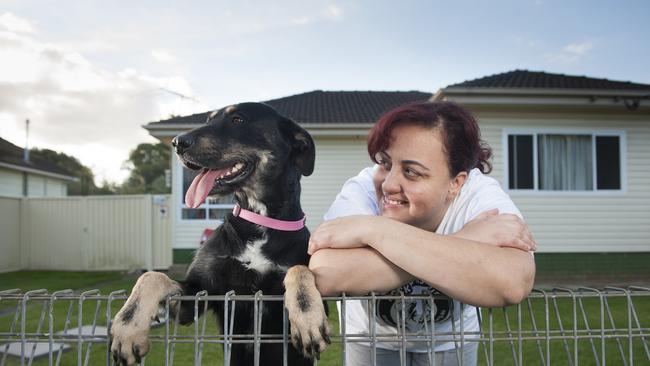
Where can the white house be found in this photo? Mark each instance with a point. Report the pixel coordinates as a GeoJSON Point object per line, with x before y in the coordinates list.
{"type": "Point", "coordinates": [32, 177]}
{"type": "Point", "coordinates": [572, 152]}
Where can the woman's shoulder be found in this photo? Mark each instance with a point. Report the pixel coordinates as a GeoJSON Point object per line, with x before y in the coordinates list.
{"type": "Point", "coordinates": [482, 193]}
{"type": "Point", "coordinates": [478, 182]}
{"type": "Point", "coordinates": [357, 197]}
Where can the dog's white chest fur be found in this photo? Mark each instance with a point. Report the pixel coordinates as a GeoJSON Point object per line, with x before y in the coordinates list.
{"type": "Point", "coordinates": [253, 258]}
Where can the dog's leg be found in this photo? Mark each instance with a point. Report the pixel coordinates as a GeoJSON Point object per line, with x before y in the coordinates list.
{"type": "Point", "coordinates": [309, 328]}
{"type": "Point", "coordinates": [130, 329]}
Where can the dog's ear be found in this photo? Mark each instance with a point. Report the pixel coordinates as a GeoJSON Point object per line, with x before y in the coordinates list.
{"type": "Point", "coordinates": [303, 151]}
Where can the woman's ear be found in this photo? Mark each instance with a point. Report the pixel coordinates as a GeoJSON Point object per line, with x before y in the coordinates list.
{"type": "Point", "coordinates": [456, 184]}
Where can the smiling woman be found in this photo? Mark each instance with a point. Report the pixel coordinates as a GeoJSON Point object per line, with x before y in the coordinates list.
{"type": "Point", "coordinates": [424, 219]}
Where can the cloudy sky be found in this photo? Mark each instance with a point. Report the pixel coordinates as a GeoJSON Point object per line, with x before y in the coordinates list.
{"type": "Point", "coordinates": [89, 74]}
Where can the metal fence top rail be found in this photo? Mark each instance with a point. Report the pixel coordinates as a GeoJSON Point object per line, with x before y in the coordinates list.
{"type": "Point", "coordinates": [553, 293]}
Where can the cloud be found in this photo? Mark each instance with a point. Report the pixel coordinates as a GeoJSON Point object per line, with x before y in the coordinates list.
{"type": "Point", "coordinates": [301, 20]}
{"type": "Point", "coordinates": [163, 56]}
{"type": "Point", "coordinates": [578, 49]}
{"type": "Point", "coordinates": [302, 17]}
{"type": "Point", "coordinates": [78, 108]}
{"type": "Point", "coordinates": [12, 23]}
{"type": "Point", "coordinates": [572, 52]}
{"type": "Point", "coordinates": [333, 12]}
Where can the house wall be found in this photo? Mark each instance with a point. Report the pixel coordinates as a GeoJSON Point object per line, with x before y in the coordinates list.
{"type": "Point", "coordinates": [41, 186]}
{"type": "Point", "coordinates": [11, 183]}
{"type": "Point", "coordinates": [561, 222]}
{"type": "Point", "coordinates": [583, 222]}
{"type": "Point", "coordinates": [337, 160]}
{"type": "Point", "coordinates": [55, 188]}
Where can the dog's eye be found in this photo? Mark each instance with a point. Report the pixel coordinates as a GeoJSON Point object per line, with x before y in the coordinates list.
{"type": "Point", "coordinates": [237, 119]}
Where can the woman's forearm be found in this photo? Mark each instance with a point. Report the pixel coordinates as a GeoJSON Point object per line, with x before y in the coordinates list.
{"type": "Point", "coordinates": [355, 271]}
{"type": "Point", "coordinates": [471, 272]}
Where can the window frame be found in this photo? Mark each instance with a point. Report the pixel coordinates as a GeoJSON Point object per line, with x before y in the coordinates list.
{"type": "Point", "coordinates": [178, 182]}
{"type": "Point", "coordinates": [621, 134]}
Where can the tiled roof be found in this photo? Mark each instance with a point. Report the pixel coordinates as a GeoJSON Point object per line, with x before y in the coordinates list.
{"type": "Point", "coordinates": [328, 106]}
{"type": "Point", "coordinates": [343, 106]}
{"type": "Point", "coordinates": [544, 80]}
{"type": "Point", "coordinates": [12, 154]}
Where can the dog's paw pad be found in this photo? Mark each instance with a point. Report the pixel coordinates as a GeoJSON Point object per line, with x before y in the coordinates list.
{"type": "Point", "coordinates": [129, 342]}
{"type": "Point", "coordinates": [310, 337]}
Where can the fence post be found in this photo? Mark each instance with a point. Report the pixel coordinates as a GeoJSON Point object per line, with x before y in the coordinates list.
{"type": "Point", "coordinates": [86, 233]}
{"type": "Point", "coordinates": [149, 237]}
{"type": "Point", "coordinates": [23, 235]}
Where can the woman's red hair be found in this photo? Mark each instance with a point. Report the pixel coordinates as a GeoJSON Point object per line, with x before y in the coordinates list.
{"type": "Point", "coordinates": [462, 138]}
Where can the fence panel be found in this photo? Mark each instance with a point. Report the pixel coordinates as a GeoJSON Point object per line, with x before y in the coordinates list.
{"type": "Point", "coordinates": [86, 233]}
{"type": "Point", "coordinates": [581, 326]}
{"type": "Point", "coordinates": [10, 259]}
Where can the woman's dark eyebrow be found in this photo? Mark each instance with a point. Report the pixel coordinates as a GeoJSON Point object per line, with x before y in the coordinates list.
{"type": "Point", "coordinates": [415, 163]}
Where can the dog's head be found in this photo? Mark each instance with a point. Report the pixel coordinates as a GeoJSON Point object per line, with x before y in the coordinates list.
{"type": "Point", "coordinates": [243, 147]}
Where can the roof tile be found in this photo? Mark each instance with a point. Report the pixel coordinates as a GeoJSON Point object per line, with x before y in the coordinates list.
{"type": "Point", "coordinates": [328, 106]}
{"type": "Point", "coordinates": [545, 80]}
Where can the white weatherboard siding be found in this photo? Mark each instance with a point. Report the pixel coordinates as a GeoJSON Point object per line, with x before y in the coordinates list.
{"type": "Point", "coordinates": [55, 188]}
{"type": "Point", "coordinates": [337, 160]}
{"type": "Point", "coordinates": [39, 186]}
{"type": "Point", "coordinates": [578, 222]}
{"type": "Point", "coordinates": [36, 186]}
{"type": "Point", "coordinates": [11, 183]}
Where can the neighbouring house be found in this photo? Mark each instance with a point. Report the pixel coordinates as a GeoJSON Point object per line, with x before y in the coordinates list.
{"type": "Point", "coordinates": [572, 151]}
{"type": "Point", "coordinates": [24, 176]}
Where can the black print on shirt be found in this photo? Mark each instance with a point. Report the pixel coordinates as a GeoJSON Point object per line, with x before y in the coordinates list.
{"type": "Point", "coordinates": [417, 313]}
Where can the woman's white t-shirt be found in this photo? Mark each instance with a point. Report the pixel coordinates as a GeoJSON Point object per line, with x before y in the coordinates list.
{"type": "Point", "coordinates": [480, 193]}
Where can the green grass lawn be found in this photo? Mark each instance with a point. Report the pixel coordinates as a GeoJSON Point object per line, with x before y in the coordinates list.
{"type": "Point", "coordinates": [504, 352]}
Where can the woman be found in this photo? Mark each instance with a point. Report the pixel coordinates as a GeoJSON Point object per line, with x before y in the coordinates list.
{"type": "Point", "coordinates": [420, 220]}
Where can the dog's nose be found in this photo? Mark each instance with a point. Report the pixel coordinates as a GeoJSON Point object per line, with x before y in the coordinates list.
{"type": "Point", "coordinates": [182, 142]}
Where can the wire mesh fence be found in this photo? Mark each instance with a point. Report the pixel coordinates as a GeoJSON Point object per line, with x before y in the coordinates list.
{"type": "Point", "coordinates": [560, 326]}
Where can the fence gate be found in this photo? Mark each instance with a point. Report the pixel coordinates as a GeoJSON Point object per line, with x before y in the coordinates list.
{"type": "Point", "coordinates": [561, 326]}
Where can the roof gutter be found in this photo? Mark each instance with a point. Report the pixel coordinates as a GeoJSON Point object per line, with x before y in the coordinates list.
{"type": "Point", "coordinates": [542, 92]}
{"type": "Point", "coordinates": [315, 129]}
{"type": "Point", "coordinates": [631, 100]}
{"type": "Point", "coordinates": [39, 172]}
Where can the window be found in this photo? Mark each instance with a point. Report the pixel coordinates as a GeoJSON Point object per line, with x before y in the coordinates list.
{"type": "Point", "coordinates": [561, 161]}
{"type": "Point", "coordinates": [214, 208]}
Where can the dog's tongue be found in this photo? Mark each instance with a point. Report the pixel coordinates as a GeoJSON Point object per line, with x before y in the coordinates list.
{"type": "Point", "coordinates": [201, 186]}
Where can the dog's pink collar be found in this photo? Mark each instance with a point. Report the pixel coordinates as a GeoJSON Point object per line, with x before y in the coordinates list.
{"type": "Point", "coordinates": [276, 224]}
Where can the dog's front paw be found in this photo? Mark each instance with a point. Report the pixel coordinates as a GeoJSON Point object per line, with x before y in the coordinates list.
{"type": "Point", "coordinates": [130, 329]}
{"type": "Point", "coordinates": [310, 331]}
{"type": "Point", "coordinates": [129, 341]}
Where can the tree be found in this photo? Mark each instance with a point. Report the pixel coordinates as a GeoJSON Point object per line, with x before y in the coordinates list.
{"type": "Point", "coordinates": [147, 164]}
{"type": "Point", "coordinates": [70, 164]}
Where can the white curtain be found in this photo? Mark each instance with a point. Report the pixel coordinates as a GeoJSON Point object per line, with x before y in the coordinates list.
{"type": "Point", "coordinates": [565, 162]}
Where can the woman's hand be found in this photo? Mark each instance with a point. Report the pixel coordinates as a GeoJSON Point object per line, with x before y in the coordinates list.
{"type": "Point", "coordinates": [503, 230]}
{"type": "Point", "coordinates": [343, 233]}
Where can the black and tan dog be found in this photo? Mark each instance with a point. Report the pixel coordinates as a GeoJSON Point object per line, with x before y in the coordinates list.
{"type": "Point", "coordinates": [252, 151]}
